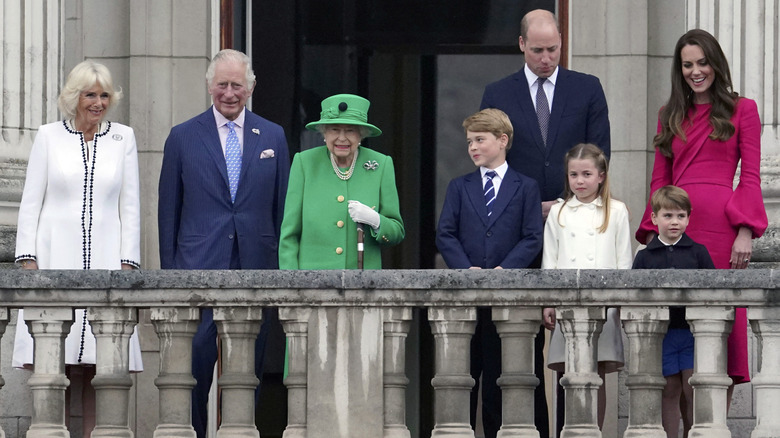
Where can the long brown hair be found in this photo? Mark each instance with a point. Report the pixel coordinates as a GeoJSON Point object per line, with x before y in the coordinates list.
{"type": "Point", "coordinates": [674, 114]}
{"type": "Point", "coordinates": [588, 151]}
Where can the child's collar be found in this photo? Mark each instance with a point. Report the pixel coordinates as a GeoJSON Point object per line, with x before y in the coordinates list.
{"type": "Point", "coordinates": [574, 202]}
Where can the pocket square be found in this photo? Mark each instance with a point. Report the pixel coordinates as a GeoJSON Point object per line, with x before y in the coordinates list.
{"type": "Point", "coordinates": [268, 153]}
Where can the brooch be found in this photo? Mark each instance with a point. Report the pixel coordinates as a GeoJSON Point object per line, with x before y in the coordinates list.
{"type": "Point", "coordinates": [117, 137]}
{"type": "Point", "coordinates": [255, 131]}
{"type": "Point", "coordinates": [371, 165]}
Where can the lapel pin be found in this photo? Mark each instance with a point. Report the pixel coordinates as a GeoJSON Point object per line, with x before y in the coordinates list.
{"type": "Point", "coordinates": [255, 131]}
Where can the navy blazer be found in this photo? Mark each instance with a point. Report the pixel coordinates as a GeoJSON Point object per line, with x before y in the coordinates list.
{"type": "Point", "coordinates": [579, 115]}
{"type": "Point", "coordinates": [197, 220]}
{"type": "Point", "coordinates": [511, 237]}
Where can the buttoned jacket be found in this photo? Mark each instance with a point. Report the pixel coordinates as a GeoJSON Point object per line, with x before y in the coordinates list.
{"type": "Point", "coordinates": [510, 237]}
{"type": "Point", "coordinates": [317, 231]}
{"type": "Point", "coordinates": [198, 222]}
{"type": "Point", "coordinates": [573, 240]}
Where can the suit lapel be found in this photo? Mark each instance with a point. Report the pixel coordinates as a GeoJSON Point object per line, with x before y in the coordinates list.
{"type": "Point", "coordinates": [506, 192]}
{"type": "Point", "coordinates": [476, 196]}
{"type": "Point", "coordinates": [210, 138]}
{"type": "Point", "coordinates": [252, 143]}
{"type": "Point", "coordinates": [559, 105]}
{"type": "Point", "coordinates": [528, 110]}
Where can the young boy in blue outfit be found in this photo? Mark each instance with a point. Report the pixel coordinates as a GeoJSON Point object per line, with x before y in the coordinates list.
{"type": "Point", "coordinates": [671, 248]}
{"type": "Point", "coordinates": [491, 219]}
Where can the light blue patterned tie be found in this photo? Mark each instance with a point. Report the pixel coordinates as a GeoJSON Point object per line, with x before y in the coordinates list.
{"type": "Point", "coordinates": [232, 159]}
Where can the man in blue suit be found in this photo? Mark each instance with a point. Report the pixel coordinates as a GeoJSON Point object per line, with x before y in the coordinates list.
{"type": "Point", "coordinates": [221, 200]}
{"type": "Point", "coordinates": [552, 109]}
{"type": "Point", "coordinates": [576, 107]}
{"type": "Point", "coordinates": [491, 219]}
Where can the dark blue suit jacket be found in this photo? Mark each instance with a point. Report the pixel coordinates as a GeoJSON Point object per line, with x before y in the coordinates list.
{"type": "Point", "coordinates": [579, 115]}
{"type": "Point", "coordinates": [197, 221]}
{"type": "Point", "coordinates": [510, 238]}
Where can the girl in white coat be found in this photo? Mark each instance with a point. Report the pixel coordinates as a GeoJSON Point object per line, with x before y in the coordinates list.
{"type": "Point", "coordinates": [588, 230]}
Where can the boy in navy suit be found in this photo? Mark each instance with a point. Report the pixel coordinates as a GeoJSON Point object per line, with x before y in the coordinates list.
{"type": "Point", "coordinates": [671, 248]}
{"type": "Point", "coordinates": [491, 219]}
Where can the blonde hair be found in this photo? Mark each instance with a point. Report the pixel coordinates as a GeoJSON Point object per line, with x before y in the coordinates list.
{"type": "Point", "coordinates": [490, 120]}
{"type": "Point", "coordinates": [589, 151]}
{"type": "Point", "coordinates": [83, 77]}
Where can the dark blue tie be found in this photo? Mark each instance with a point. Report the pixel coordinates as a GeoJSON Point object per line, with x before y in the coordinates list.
{"type": "Point", "coordinates": [490, 191]}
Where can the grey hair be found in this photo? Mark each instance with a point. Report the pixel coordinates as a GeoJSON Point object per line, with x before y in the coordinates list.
{"type": "Point", "coordinates": [363, 130]}
{"type": "Point", "coordinates": [84, 76]}
{"type": "Point", "coordinates": [234, 56]}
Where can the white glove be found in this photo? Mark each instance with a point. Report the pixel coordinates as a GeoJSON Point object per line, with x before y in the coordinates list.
{"type": "Point", "coordinates": [363, 214]}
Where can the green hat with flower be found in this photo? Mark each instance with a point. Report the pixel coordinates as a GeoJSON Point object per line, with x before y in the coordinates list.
{"type": "Point", "coordinates": [345, 109]}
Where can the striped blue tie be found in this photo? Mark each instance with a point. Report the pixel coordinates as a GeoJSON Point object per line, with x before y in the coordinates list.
{"type": "Point", "coordinates": [490, 191]}
{"type": "Point", "coordinates": [232, 159]}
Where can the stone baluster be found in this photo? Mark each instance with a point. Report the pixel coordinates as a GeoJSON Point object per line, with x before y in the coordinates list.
{"type": "Point", "coordinates": [581, 327]}
{"type": "Point", "coordinates": [711, 327]}
{"type": "Point", "coordinates": [49, 326]}
{"type": "Point", "coordinates": [175, 327]}
{"type": "Point", "coordinates": [112, 327]}
{"type": "Point", "coordinates": [517, 327]}
{"type": "Point", "coordinates": [645, 328]}
{"type": "Point", "coordinates": [295, 321]}
{"type": "Point", "coordinates": [396, 328]}
{"type": "Point", "coordinates": [765, 322]}
{"type": "Point", "coordinates": [238, 328]}
{"type": "Point", "coordinates": [452, 331]}
{"type": "Point", "coordinates": [3, 324]}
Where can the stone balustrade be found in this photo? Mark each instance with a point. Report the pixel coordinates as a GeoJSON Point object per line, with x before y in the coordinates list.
{"type": "Point", "coordinates": [450, 297]}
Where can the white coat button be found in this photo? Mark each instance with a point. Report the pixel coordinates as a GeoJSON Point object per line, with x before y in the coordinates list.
{"type": "Point", "coordinates": [340, 224]}
{"type": "Point", "coordinates": [340, 198]}
{"type": "Point", "coordinates": [339, 250]}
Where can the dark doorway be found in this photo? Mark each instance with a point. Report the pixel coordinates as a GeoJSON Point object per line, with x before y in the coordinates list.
{"type": "Point", "coordinates": [423, 65]}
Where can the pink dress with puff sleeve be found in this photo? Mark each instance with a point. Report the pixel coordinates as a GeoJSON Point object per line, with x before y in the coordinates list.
{"type": "Point", "coordinates": [705, 168]}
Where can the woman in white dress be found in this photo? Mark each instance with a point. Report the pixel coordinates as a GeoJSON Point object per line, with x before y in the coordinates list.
{"type": "Point", "coordinates": [80, 209]}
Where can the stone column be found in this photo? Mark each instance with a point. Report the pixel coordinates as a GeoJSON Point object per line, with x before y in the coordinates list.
{"type": "Point", "coordinates": [49, 327]}
{"type": "Point", "coordinates": [3, 324]}
{"type": "Point", "coordinates": [175, 327]}
{"type": "Point", "coordinates": [396, 328]}
{"type": "Point", "coordinates": [238, 328]}
{"type": "Point", "coordinates": [452, 331]}
{"type": "Point", "coordinates": [581, 327]}
{"type": "Point", "coordinates": [517, 327]}
{"type": "Point", "coordinates": [645, 328]}
{"type": "Point", "coordinates": [711, 327]}
{"type": "Point", "coordinates": [765, 322]}
{"type": "Point", "coordinates": [295, 321]}
{"type": "Point", "coordinates": [112, 327]}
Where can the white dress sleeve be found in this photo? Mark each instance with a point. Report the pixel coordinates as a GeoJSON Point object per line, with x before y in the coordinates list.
{"type": "Point", "coordinates": [32, 197]}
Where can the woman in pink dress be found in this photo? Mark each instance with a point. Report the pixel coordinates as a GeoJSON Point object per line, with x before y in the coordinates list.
{"type": "Point", "coordinates": [704, 130]}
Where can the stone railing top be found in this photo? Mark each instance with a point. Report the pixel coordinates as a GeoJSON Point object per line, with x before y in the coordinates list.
{"type": "Point", "coordinates": [156, 288]}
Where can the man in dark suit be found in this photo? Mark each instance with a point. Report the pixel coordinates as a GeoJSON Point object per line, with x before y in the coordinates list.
{"type": "Point", "coordinates": [221, 200]}
{"type": "Point", "coordinates": [491, 219]}
{"type": "Point", "coordinates": [552, 109]}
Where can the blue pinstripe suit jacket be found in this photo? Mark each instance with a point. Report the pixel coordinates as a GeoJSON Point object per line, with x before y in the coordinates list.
{"type": "Point", "coordinates": [197, 222]}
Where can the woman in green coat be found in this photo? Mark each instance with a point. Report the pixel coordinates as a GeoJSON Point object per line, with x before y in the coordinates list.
{"type": "Point", "coordinates": [334, 187]}
{"type": "Point", "coordinates": [331, 189]}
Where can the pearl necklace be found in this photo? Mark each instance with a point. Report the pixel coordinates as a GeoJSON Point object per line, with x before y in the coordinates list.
{"type": "Point", "coordinates": [341, 174]}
